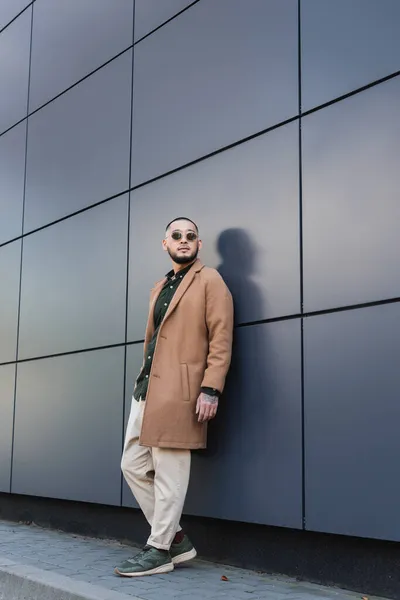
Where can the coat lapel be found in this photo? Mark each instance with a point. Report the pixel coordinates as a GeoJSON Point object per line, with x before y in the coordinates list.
{"type": "Point", "coordinates": [183, 287]}
{"type": "Point", "coordinates": [155, 292]}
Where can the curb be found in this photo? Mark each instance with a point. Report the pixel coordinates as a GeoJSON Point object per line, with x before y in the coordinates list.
{"type": "Point", "coordinates": [23, 582]}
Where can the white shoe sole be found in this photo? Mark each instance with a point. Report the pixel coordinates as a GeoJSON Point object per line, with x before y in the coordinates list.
{"type": "Point", "coordinates": [182, 558]}
{"type": "Point", "coordinates": [157, 571]}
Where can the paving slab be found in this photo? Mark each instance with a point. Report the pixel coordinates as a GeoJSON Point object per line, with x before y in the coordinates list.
{"type": "Point", "coordinates": [41, 564]}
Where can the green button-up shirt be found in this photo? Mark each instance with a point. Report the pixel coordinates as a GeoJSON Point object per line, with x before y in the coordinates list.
{"type": "Point", "coordinates": [161, 307]}
{"type": "Point", "coordinates": [163, 301]}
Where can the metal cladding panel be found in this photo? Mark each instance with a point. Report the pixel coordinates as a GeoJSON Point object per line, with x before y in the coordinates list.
{"type": "Point", "coordinates": [15, 43]}
{"type": "Point", "coordinates": [68, 427]}
{"type": "Point", "coordinates": [352, 415]}
{"type": "Point", "coordinates": [252, 469]}
{"type": "Point", "coordinates": [7, 384]}
{"type": "Point", "coordinates": [351, 208]}
{"type": "Point", "coordinates": [71, 38]}
{"type": "Point", "coordinates": [219, 72]}
{"type": "Point", "coordinates": [78, 146]}
{"type": "Point", "coordinates": [12, 175]}
{"type": "Point", "coordinates": [10, 268]}
{"type": "Point", "coordinates": [74, 283]}
{"type": "Point", "coordinates": [346, 45]}
{"type": "Point", "coordinates": [245, 202]}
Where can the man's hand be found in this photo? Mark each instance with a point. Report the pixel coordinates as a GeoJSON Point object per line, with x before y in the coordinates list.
{"type": "Point", "coordinates": [206, 407]}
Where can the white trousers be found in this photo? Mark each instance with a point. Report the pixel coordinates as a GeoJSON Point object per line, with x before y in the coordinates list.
{"type": "Point", "coordinates": [158, 478]}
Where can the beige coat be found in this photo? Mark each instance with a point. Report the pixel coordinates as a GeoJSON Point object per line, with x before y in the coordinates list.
{"type": "Point", "coordinates": [193, 349]}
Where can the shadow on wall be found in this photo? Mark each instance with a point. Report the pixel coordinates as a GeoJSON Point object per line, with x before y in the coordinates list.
{"type": "Point", "coordinates": [238, 266]}
{"type": "Point", "coordinates": [249, 381]}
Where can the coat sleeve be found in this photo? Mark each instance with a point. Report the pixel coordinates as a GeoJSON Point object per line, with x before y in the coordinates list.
{"type": "Point", "coordinates": [219, 320]}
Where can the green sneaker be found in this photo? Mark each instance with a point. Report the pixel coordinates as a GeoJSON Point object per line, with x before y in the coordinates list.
{"type": "Point", "coordinates": [150, 561]}
{"type": "Point", "coordinates": [183, 551]}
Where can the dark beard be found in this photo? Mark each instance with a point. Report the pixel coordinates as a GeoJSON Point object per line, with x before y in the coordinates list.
{"type": "Point", "coordinates": [184, 260]}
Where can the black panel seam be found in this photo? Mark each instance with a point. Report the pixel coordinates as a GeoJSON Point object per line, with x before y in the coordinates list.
{"type": "Point", "coordinates": [301, 260]}
{"type": "Point", "coordinates": [157, 178]}
{"type": "Point", "coordinates": [93, 71]}
{"type": "Point", "coordinates": [351, 94]}
{"type": "Point", "coordinates": [306, 113]}
{"type": "Point", "coordinates": [127, 255]}
{"type": "Point", "coordinates": [292, 317]}
{"type": "Point", "coordinates": [66, 217]}
{"type": "Point", "coordinates": [69, 353]}
{"type": "Point", "coordinates": [69, 88]}
{"type": "Point", "coordinates": [21, 259]}
{"type": "Point", "coordinates": [194, 161]}
{"type": "Point", "coordinates": [16, 16]}
{"type": "Point", "coordinates": [185, 9]}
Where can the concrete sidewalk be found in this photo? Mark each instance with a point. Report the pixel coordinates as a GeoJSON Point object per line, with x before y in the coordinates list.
{"type": "Point", "coordinates": [43, 564]}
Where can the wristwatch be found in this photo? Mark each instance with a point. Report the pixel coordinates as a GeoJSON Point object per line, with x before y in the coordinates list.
{"type": "Point", "coordinates": [210, 391]}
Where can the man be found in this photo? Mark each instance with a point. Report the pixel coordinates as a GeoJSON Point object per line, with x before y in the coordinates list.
{"type": "Point", "coordinates": [187, 353]}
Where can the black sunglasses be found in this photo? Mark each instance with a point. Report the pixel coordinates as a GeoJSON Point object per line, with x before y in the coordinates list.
{"type": "Point", "coordinates": [191, 236]}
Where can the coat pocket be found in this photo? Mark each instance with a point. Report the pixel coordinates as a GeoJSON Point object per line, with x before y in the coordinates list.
{"type": "Point", "coordinates": [185, 382]}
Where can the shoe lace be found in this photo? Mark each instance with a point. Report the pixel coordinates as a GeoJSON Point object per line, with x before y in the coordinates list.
{"type": "Point", "coordinates": [140, 554]}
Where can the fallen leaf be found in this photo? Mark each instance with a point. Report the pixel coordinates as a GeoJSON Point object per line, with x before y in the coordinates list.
{"type": "Point", "coordinates": [224, 578]}
{"type": "Point", "coordinates": [364, 598]}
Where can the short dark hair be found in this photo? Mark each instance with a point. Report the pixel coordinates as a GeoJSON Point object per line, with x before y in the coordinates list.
{"type": "Point", "coordinates": [182, 219]}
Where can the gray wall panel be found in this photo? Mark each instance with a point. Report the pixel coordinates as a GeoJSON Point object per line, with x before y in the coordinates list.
{"type": "Point", "coordinates": [12, 174]}
{"type": "Point", "coordinates": [221, 71]}
{"type": "Point", "coordinates": [73, 451]}
{"type": "Point", "coordinates": [10, 264]}
{"type": "Point", "coordinates": [9, 9]}
{"type": "Point", "coordinates": [351, 202]}
{"type": "Point", "coordinates": [149, 14]}
{"type": "Point", "coordinates": [134, 360]}
{"type": "Point", "coordinates": [352, 416]}
{"type": "Point", "coordinates": [78, 146]}
{"type": "Point", "coordinates": [252, 470]}
{"type": "Point", "coordinates": [346, 45]}
{"type": "Point", "coordinates": [14, 68]}
{"type": "Point", "coordinates": [245, 201]}
{"type": "Point", "coordinates": [71, 38]}
{"type": "Point", "coordinates": [74, 283]}
{"type": "Point", "coordinates": [7, 383]}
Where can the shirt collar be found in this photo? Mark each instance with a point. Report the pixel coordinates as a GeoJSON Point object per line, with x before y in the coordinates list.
{"type": "Point", "coordinates": [171, 274]}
